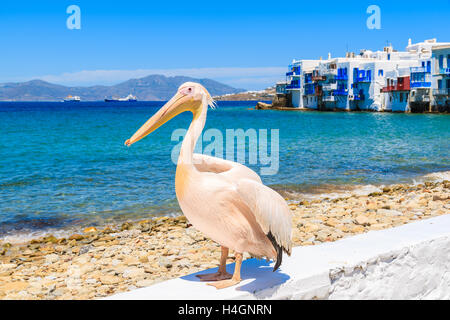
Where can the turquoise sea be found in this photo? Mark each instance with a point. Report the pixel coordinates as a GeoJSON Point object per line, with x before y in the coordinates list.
{"type": "Point", "coordinates": [65, 164]}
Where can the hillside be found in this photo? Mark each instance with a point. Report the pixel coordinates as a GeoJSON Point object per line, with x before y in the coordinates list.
{"type": "Point", "coordinates": [152, 87]}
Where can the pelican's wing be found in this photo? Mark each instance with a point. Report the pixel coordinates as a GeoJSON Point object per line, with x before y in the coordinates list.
{"type": "Point", "coordinates": [233, 171]}
{"type": "Point", "coordinates": [271, 212]}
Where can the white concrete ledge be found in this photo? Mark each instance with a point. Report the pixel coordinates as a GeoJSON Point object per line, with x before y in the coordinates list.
{"type": "Point", "coordinates": [408, 262]}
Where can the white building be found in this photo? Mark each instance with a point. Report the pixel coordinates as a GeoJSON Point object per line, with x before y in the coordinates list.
{"type": "Point", "coordinates": [359, 82]}
{"type": "Point", "coordinates": [441, 78]}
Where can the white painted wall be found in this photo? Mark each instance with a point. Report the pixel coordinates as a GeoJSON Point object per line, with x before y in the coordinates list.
{"type": "Point", "coordinates": [408, 262]}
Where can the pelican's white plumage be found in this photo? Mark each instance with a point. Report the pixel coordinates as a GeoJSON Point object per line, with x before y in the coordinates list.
{"type": "Point", "coordinates": [223, 199]}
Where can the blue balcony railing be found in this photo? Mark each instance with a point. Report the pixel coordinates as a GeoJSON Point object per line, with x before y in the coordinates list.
{"type": "Point", "coordinates": [419, 70]}
{"type": "Point", "coordinates": [340, 92]}
{"type": "Point", "coordinates": [420, 84]}
{"type": "Point", "coordinates": [341, 77]}
{"type": "Point", "coordinates": [441, 92]}
{"type": "Point", "coordinates": [295, 84]}
{"type": "Point", "coordinates": [444, 70]}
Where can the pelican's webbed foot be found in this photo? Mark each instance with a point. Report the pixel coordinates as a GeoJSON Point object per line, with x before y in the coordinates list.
{"type": "Point", "coordinates": [216, 276]}
{"type": "Point", "coordinates": [225, 283]}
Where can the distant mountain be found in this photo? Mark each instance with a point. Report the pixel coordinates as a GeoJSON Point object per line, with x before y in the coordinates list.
{"type": "Point", "coordinates": [153, 87]}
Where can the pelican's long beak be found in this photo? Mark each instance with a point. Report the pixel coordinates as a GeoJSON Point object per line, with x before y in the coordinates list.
{"type": "Point", "coordinates": [172, 108]}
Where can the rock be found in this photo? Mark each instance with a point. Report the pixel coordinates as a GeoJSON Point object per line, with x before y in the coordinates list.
{"type": "Point", "coordinates": [90, 230]}
{"type": "Point", "coordinates": [126, 226]}
{"type": "Point", "coordinates": [371, 206]}
{"type": "Point", "coordinates": [109, 280]}
{"type": "Point", "coordinates": [143, 258]}
{"type": "Point", "coordinates": [107, 230]}
{"type": "Point", "coordinates": [50, 239]}
{"type": "Point", "coordinates": [357, 229]}
{"type": "Point", "coordinates": [362, 220]}
{"type": "Point", "coordinates": [389, 213]}
{"type": "Point", "coordinates": [144, 283]}
{"type": "Point", "coordinates": [51, 258]}
{"type": "Point", "coordinates": [85, 249]}
{"type": "Point", "coordinates": [332, 222]}
{"type": "Point", "coordinates": [263, 106]}
{"type": "Point", "coordinates": [131, 261]}
{"type": "Point", "coordinates": [14, 286]}
{"type": "Point", "coordinates": [165, 262]}
{"type": "Point", "coordinates": [133, 272]}
{"type": "Point", "coordinates": [310, 228]}
{"type": "Point", "coordinates": [439, 198]}
{"type": "Point", "coordinates": [76, 237]}
{"type": "Point", "coordinates": [7, 266]}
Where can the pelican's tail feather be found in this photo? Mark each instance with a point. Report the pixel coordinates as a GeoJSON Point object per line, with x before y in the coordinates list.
{"type": "Point", "coordinates": [278, 249]}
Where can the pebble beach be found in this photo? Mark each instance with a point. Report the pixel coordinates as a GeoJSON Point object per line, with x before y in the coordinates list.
{"type": "Point", "coordinates": [98, 262]}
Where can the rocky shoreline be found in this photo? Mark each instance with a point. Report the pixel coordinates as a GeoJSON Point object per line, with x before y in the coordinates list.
{"type": "Point", "coordinates": [97, 263]}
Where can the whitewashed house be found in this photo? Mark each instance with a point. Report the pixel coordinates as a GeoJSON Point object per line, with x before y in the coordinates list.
{"type": "Point", "coordinates": [360, 82]}
{"type": "Point", "coordinates": [441, 78]}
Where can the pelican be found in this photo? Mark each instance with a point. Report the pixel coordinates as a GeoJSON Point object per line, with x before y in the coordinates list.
{"type": "Point", "coordinates": [224, 200]}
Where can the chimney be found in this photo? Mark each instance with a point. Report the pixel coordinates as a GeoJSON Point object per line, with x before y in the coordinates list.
{"type": "Point", "coordinates": [329, 55]}
{"type": "Point", "coordinates": [409, 42]}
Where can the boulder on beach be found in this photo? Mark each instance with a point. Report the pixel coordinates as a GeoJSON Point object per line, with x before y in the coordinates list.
{"type": "Point", "coordinates": [263, 106]}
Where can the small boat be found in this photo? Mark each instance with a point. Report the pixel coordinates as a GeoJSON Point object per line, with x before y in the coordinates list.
{"type": "Point", "coordinates": [70, 98]}
{"type": "Point", "coordinates": [129, 98]}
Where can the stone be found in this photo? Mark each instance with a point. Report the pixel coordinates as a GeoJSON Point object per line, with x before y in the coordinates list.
{"type": "Point", "coordinates": [51, 258]}
{"type": "Point", "coordinates": [109, 280]}
{"type": "Point", "coordinates": [14, 286]}
{"type": "Point", "coordinates": [133, 272]}
{"type": "Point", "coordinates": [144, 283]}
{"type": "Point", "coordinates": [143, 258]}
{"type": "Point", "coordinates": [439, 198]}
{"type": "Point", "coordinates": [362, 220]}
{"type": "Point", "coordinates": [165, 262]}
{"type": "Point", "coordinates": [389, 213]}
{"type": "Point", "coordinates": [371, 206]}
{"type": "Point", "coordinates": [76, 237]}
{"type": "Point", "coordinates": [90, 230]}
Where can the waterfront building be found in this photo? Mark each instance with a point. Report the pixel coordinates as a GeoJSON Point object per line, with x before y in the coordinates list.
{"type": "Point", "coordinates": [384, 80]}
{"type": "Point", "coordinates": [397, 90]}
{"type": "Point", "coordinates": [441, 78]}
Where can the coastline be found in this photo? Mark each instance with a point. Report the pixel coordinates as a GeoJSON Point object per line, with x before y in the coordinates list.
{"type": "Point", "coordinates": [96, 263]}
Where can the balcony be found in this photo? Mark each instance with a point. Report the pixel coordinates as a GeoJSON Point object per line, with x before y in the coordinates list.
{"type": "Point", "coordinates": [420, 84]}
{"type": "Point", "coordinates": [341, 77]}
{"type": "Point", "coordinates": [396, 88]}
{"type": "Point", "coordinates": [444, 71]}
{"type": "Point", "coordinates": [330, 71]}
{"type": "Point", "coordinates": [363, 79]}
{"type": "Point", "coordinates": [356, 97]}
{"type": "Point", "coordinates": [310, 90]}
{"type": "Point", "coordinates": [419, 70]}
{"type": "Point", "coordinates": [388, 89]}
{"type": "Point", "coordinates": [329, 86]}
{"type": "Point", "coordinates": [318, 78]}
{"type": "Point", "coordinates": [292, 74]}
{"type": "Point", "coordinates": [293, 87]}
{"type": "Point", "coordinates": [441, 92]}
{"type": "Point", "coordinates": [328, 98]}
{"type": "Point", "coordinates": [340, 92]}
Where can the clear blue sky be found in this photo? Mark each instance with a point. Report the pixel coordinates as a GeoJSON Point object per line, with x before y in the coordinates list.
{"type": "Point", "coordinates": [167, 35]}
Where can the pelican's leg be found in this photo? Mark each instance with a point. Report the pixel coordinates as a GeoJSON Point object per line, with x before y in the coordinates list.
{"type": "Point", "coordinates": [236, 275]}
{"type": "Point", "coordinates": [222, 273]}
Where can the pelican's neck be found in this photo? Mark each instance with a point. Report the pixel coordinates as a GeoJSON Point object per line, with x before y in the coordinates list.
{"type": "Point", "coordinates": [192, 135]}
